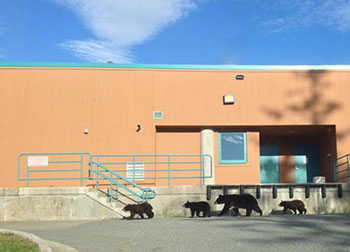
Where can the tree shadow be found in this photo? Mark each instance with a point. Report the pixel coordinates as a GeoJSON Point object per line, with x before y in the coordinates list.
{"type": "Point", "coordinates": [309, 101]}
{"type": "Point", "coordinates": [316, 105]}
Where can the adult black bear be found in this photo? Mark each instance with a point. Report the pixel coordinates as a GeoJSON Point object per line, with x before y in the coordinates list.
{"type": "Point", "coordinates": [140, 209]}
{"type": "Point", "coordinates": [244, 200]}
{"type": "Point", "coordinates": [197, 207]}
{"type": "Point", "coordinates": [293, 205]}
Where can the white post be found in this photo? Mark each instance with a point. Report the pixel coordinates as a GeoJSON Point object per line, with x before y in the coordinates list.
{"type": "Point", "coordinates": [207, 147]}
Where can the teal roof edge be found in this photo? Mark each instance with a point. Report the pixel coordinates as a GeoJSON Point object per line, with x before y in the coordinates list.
{"type": "Point", "coordinates": [174, 66]}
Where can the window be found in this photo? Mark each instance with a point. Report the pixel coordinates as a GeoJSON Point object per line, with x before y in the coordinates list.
{"type": "Point", "coordinates": [232, 148]}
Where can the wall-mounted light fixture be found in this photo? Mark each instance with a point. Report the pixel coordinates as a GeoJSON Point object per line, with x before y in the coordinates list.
{"type": "Point", "coordinates": [86, 131]}
{"type": "Point", "coordinates": [229, 99]}
{"type": "Point", "coordinates": [239, 77]}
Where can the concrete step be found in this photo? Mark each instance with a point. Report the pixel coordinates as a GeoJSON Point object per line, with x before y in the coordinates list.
{"type": "Point", "coordinates": [104, 200]}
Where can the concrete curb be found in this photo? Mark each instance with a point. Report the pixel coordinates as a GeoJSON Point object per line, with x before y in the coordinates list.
{"type": "Point", "coordinates": [44, 246]}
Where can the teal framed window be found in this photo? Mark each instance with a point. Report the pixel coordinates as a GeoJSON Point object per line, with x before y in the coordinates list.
{"type": "Point", "coordinates": [232, 148]}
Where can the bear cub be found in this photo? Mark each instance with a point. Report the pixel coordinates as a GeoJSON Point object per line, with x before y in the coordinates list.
{"type": "Point", "coordinates": [197, 207]}
{"type": "Point", "coordinates": [140, 209]}
{"type": "Point", "coordinates": [244, 200]}
{"type": "Point", "coordinates": [293, 205]}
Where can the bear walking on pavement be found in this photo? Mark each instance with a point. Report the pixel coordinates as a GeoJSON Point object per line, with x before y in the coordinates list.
{"type": "Point", "coordinates": [140, 209]}
{"type": "Point", "coordinates": [237, 201]}
{"type": "Point", "coordinates": [197, 207]}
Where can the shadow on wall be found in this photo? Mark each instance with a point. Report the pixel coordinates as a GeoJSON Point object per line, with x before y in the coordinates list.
{"type": "Point", "coordinates": [316, 106]}
{"type": "Point", "coordinates": [312, 102]}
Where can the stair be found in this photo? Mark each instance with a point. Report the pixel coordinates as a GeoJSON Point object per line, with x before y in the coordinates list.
{"type": "Point", "coordinates": [102, 196]}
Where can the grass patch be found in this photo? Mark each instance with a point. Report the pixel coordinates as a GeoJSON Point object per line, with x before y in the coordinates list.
{"type": "Point", "coordinates": [10, 242]}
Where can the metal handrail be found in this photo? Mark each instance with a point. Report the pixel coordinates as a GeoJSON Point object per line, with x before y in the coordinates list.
{"type": "Point", "coordinates": [110, 175]}
{"type": "Point", "coordinates": [337, 165]}
{"type": "Point", "coordinates": [31, 170]}
{"type": "Point", "coordinates": [147, 193]}
{"type": "Point", "coordinates": [170, 163]}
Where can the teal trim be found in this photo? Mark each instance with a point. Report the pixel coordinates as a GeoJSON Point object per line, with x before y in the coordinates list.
{"type": "Point", "coordinates": [227, 161]}
{"type": "Point", "coordinates": [175, 66]}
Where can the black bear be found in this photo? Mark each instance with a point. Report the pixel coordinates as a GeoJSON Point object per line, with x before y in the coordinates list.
{"type": "Point", "coordinates": [244, 200]}
{"type": "Point", "coordinates": [293, 205]}
{"type": "Point", "coordinates": [197, 207]}
{"type": "Point", "coordinates": [140, 209]}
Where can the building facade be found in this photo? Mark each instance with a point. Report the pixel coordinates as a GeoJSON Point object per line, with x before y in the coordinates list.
{"type": "Point", "coordinates": [260, 124]}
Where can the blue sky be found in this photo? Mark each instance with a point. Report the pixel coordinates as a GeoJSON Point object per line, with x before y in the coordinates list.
{"type": "Point", "coordinates": [244, 32]}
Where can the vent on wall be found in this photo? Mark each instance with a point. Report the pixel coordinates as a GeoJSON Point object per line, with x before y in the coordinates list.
{"type": "Point", "coordinates": [158, 114]}
{"type": "Point", "coordinates": [139, 170]}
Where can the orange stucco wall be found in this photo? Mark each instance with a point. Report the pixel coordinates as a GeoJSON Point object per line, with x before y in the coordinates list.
{"type": "Point", "coordinates": [47, 109]}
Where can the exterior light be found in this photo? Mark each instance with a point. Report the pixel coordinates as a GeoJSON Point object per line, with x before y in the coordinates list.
{"type": "Point", "coordinates": [86, 131]}
{"type": "Point", "coordinates": [239, 77]}
{"type": "Point", "coordinates": [229, 99]}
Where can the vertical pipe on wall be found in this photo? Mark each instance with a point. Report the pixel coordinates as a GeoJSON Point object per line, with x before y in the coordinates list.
{"type": "Point", "coordinates": [207, 147]}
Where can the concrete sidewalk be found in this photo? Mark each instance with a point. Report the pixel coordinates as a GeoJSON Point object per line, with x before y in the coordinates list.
{"type": "Point", "coordinates": [309, 233]}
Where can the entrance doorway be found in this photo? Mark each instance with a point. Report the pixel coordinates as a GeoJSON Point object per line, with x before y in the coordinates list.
{"type": "Point", "coordinates": [296, 154]}
{"type": "Point", "coordinates": [269, 164]}
{"type": "Point", "coordinates": [306, 162]}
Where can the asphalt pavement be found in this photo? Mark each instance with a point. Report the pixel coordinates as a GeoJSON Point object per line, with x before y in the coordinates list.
{"type": "Point", "coordinates": [307, 233]}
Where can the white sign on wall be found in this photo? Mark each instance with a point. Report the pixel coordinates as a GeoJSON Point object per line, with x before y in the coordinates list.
{"type": "Point", "coordinates": [38, 161]}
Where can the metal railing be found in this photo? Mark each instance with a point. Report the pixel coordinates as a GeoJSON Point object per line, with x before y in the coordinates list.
{"type": "Point", "coordinates": [158, 167]}
{"type": "Point", "coordinates": [146, 193]}
{"type": "Point", "coordinates": [96, 167]}
{"type": "Point", "coordinates": [341, 167]}
{"type": "Point", "coordinates": [37, 163]}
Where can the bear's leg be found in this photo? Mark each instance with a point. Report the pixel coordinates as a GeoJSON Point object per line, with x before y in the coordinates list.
{"type": "Point", "coordinates": [132, 214]}
{"type": "Point", "coordinates": [192, 213]}
{"type": "Point", "coordinates": [226, 208]}
{"type": "Point", "coordinates": [141, 215]}
{"type": "Point", "coordinates": [285, 210]}
{"type": "Point", "coordinates": [300, 210]}
{"type": "Point", "coordinates": [294, 210]}
{"type": "Point", "coordinates": [197, 213]}
{"type": "Point", "coordinates": [258, 210]}
{"type": "Point", "coordinates": [208, 212]}
{"type": "Point", "coordinates": [235, 211]}
{"type": "Point", "coordinates": [249, 211]}
{"type": "Point", "coordinates": [150, 214]}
